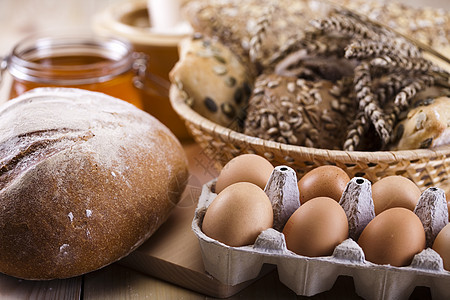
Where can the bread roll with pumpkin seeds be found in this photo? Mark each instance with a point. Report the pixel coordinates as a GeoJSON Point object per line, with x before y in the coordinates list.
{"type": "Point", "coordinates": [217, 83]}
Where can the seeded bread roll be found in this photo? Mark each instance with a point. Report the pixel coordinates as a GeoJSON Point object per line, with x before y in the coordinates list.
{"type": "Point", "coordinates": [84, 180]}
{"type": "Point", "coordinates": [217, 83]}
{"type": "Point", "coordinates": [426, 126]}
{"type": "Point", "coordinates": [298, 112]}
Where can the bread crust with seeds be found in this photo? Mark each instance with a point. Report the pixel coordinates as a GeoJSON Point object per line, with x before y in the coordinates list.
{"type": "Point", "coordinates": [298, 112]}
{"type": "Point", "coordinates": [426, 126]}
{"type": "Point", "coordinates": [217, 84]}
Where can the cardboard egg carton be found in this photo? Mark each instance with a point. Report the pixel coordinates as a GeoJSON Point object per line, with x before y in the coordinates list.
{"type": "Point", "coordinates": [308, 276]}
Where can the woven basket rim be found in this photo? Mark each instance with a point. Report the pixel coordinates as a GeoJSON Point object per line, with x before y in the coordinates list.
{"type": "Point", "coordinates": [190, 115]}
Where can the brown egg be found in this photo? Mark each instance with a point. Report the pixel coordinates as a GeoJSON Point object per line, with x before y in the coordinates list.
{"type": "Point", "coordinates": [245, 168]}
{"type": "Point", "coordinates": [393, 237]}
{"type": "Point", "coordinates": [238, 215]}
{"type": "Point", "coordinates": [323, 181]}
{"type": "Point", "coordinates": [394, 191]}
{"type": "Point", "coordinates": [442, 245]}
{"type": "Point", "coordinates": [316, 227]}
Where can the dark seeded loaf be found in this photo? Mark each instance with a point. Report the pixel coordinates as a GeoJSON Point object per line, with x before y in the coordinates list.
{"type": "Point", "coordinates": [84, 179]}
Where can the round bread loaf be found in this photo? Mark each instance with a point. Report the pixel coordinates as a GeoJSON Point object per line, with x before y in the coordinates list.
{"type": "Point", "coordinates": [85, 179]}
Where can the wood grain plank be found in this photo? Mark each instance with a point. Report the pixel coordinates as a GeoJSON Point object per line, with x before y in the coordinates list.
{"type": "Point", "coordinates": [14, 288]}
{"type": "Point", "coordinates": [119, 282]}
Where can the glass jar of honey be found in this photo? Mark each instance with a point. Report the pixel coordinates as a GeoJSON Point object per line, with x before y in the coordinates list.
{"type": "Point", "coordinates": [93, 63]}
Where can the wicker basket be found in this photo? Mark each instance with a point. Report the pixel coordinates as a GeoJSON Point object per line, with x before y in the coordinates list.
{"type": "Point", "coordinates": [425, 167]}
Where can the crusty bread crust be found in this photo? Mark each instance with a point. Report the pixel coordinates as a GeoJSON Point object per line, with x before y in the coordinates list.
{"type": "Point", "coordinates": [218, 84]}
{"type": "Point", "coordinates": [84, 179]}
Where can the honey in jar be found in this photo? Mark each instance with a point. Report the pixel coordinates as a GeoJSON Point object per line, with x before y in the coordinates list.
{"type": "Point", "coordinates": [93, 63]}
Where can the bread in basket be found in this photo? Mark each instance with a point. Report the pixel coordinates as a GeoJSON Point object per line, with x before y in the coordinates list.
{"type": "Point", "coordinates": [221, 141]}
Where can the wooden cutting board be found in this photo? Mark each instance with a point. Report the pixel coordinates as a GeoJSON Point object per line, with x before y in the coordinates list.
{"type": "Point", "coordinates": [173, 252]}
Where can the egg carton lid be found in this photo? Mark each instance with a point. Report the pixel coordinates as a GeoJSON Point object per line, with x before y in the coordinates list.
{"type": "Point", "coordinates": [308, 276]}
